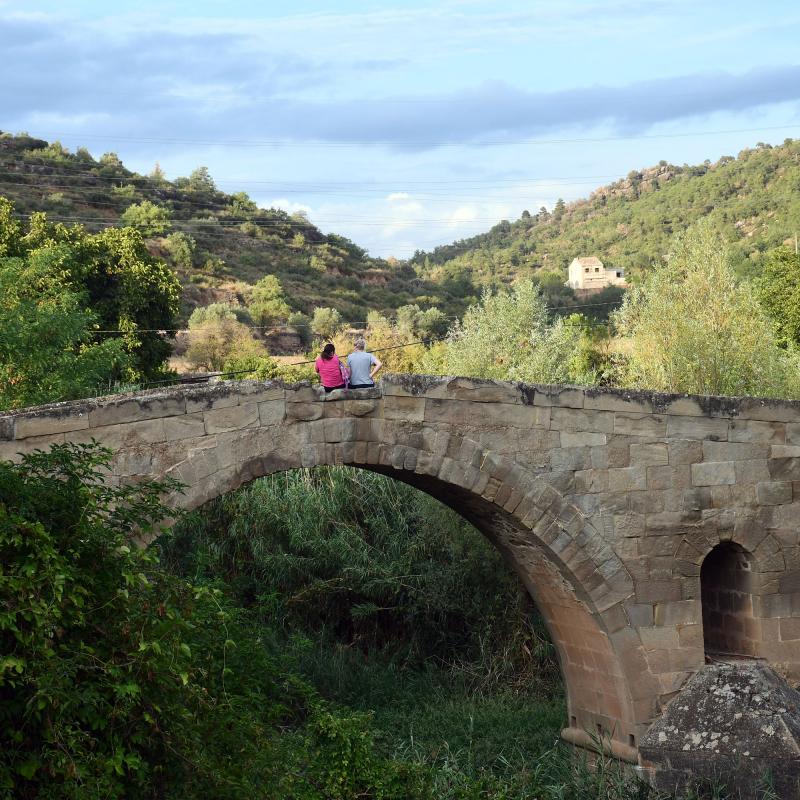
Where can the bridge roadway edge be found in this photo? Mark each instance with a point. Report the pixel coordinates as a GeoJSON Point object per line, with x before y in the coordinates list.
{"type": "Point", "coordinates": [604, 501]}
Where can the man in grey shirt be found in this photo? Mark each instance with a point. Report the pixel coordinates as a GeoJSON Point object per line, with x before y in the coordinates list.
{"type": "Point", "coordinates": [363, 366]}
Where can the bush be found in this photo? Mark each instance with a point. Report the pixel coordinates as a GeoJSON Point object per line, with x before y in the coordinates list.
{"type": "Point", "coordinates": [118, 680]}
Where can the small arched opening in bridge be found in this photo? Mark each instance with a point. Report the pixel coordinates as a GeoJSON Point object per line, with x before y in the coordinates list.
{"type": "Point", "coordinates": [726, 591]}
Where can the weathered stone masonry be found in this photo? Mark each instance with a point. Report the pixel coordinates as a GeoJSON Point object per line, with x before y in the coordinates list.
{"type": "Point", "coordinates": [606, 503]}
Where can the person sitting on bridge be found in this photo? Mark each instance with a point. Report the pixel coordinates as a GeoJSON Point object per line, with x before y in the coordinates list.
{"type": "Point", "coordinates": [332, 372]}
{"type": "Point", "coordinates": [363, 366]}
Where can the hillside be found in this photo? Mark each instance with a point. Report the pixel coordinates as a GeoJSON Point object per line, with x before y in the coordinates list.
{"type": "Point", "coordinates": [753, 199]}
{"type": "Point", "coordinates": [215, 240]}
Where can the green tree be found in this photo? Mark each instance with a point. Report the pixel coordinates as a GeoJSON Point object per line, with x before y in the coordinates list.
{"type": "Point", "coordinates": [126, 288]}
{"type": "Point", "coordinates": [217, 312]}
{"type": "Point", "coordinates": [267, 304]}
{"type": "Point", "coordinates": [326, 322]}
{"type": "Point", "coordinates": [216, 341]}
{"type": "Point", "coordinates": [180, 247]}
{"type": "Point", "coordinates": [691, 327]}
{"type": "Point", "coordinates": [510, 336]}
{"type": "Point", "coordinates": [198, 182]}
{"type": "Point", "coordinates": [48, 350]}
{"type": "Point", "coordinates": [148, 218]}
{"type": "Point", "coordinates": [779, 292]}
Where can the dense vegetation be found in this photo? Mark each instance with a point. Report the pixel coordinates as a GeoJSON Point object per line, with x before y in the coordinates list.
{"type": "Point", "coordinates": [219, 244]}
{"type": "Point", "coordinates": [751, 200]}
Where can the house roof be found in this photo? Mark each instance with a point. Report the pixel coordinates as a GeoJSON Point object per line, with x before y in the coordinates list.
{"type": "Point", "coordinates": [589, 261]}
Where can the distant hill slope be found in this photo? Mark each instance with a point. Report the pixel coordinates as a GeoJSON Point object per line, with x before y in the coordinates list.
{"type": "Point", "coordinates": [233, 240]}
{"type": "Point", "coordinates": [754, 200]}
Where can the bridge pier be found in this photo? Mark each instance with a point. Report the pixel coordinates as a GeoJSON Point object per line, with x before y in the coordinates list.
{"type": "Point", "coordinates": [651, 530]}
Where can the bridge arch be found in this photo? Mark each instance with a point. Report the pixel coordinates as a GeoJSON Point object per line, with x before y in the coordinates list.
{"type": "Point", "coordinates": [573, 577]}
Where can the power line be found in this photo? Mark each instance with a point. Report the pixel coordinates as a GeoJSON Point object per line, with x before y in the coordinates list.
{"type": "Point", "coordinates": [257, 143]}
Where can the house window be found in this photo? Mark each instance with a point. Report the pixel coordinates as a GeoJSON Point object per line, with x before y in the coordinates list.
{"type": "Point", "coordinates": [726, 592]}
{"type": "Point", "coordinates": [597, 269]}
{"type": "Point", "coordinates": [619, 274]}
{"type": "Point", "coordinates": [586, 269]}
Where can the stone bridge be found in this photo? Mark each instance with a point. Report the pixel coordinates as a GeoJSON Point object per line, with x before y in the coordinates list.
{"type": "Point", "coordinates": [654, 532]}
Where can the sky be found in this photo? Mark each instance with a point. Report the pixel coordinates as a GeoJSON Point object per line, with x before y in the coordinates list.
{"type": "Point", "coordinates": [403, 125]}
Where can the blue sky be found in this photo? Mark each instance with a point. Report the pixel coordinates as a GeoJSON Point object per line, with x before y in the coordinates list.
{"type": "Point", "coordinates": [403, 125]}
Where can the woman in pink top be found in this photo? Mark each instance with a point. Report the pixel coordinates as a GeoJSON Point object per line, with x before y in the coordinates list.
{"type": "Point", "coordinates": [330, 369]}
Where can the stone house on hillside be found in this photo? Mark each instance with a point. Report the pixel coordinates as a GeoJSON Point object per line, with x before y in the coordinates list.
{"type": "Point", "coordinates": [590, 275]}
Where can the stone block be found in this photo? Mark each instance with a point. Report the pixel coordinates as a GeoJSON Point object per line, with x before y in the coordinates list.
{"type": "Point", "coordinates": [683, 407]}
{"type": "Point", "coordinates": [135, 409]}
{"type": "Point", "coordinates": [304, 393]}
{"type": "Point", "coordinates": [658, 591]}
{"type": "Point", "coordinates": [205, 398]}
{"type": "Point", "coordinates": [573, 419]}
{"type": "Point", "coordinates": [696, 499]}
{"type": "Point", "coordinates": [304, 411]}
{"type": "Point", "coordinates": [449, 412]}
{"type": "Point", "coordinates": [685, 451]}
{"type": "Point", "coordinates": [47, 423]}
{"type": "Point", "coordinates": [751, 471]}
{"type": "Point", "coordinates": [271, 412]}
{"type": "Point", "coordinates": [670, 523]}
{"type": "Point", "coordinates": [629, 525]}
{"type": "Point", "coordinates": [647, 502]}
{"type": "Point", "coordinates": [572, 458]}
{"type": "Point", "coordinates": [640, 614]}
{"type": "Point", "coordinates": [558, 396]}
{"type": "Point", "coordinates": [772, 493]}
{"type": "Point", "coordinates": [627, 479]}
{"type": "Point", "coordinates": [793, 433]}
{"type": "Point", "coordinates": [713, 473]}
{"type": "Point", "coordinates": [220, 420]}
{"type": "Point", "coordinates": [677, 612]}
{"type": "Point", "coordinates": [784, 451]}
{"type": "Point", "coordinates": [771, 410]}
{"type": "Point", "coordinates": [789, 629]}
{"type": "Point", "coordinates": [15, 449]}
{"type": "Point", "coordinates": [734, 451]}
{"type": "Point", "coordinates": [404, 408]}
{"type": "Point", "coordinates": [360, 408]}
{"type": "Point", "coordinates": [659, 638]}
{"type": "Point", "coordinates": [186, 426]}
{"type": "Point", "coordinates": [258, 392]}
{"type": "Point", "coordinates": [712, 428]}
{"type": "Point", "coordinates": [651, 454]}
{"type": "Point", "coordinates": [746, 430]}
{"type": "Point", "coordinates": [581, 438]}
{"type": "Point", "coordinates": [617, 400]}
{"type": "Point", "coordinates": [128, 434]}
{"type": "Point", "coordinates": [784, 469]}
{"type": "Point", "coordinates": [644, 425]}
{"type": "Point", "coordinates": [660, 478]}
{"type": "Point", "coordinates": [510, 416]}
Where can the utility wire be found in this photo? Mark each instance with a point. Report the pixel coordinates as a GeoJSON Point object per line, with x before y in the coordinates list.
{"type": "Point", "coordinates": [411, 141]}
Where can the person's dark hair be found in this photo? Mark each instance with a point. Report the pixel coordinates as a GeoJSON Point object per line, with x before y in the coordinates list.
{"type": "Point", "coordinates": [328, 351]}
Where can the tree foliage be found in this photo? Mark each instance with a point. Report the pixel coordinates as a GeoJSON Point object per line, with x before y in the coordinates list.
{"type": "Point", "coordinates": [779, 292]}
{"type": "Point", "coordinates": [111, 271]}
{"type": "Point", "coordinates": [47, 348]}
{"type": "Point", "coordinates": [147, 218]}
{"type": "Point", "coordinates": [267, 304]}
{"type": "Point", "coordinates": [510, 336]}
{"type": "Point", "coordinates": [693, 327]}
{"type": "Point", "coordinates": [326, 322]}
